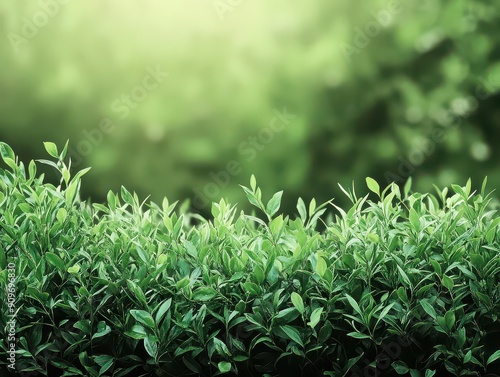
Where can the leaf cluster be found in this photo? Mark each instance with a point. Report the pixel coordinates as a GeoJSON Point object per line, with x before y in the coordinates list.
{"type": "Point", "coordinates": [401, 283]}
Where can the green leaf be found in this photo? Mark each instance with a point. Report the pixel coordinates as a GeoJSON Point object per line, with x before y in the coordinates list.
{"type": "Point", "coordinates": [137, 291]}
{"type": "Point", "coordinates": [64, 152]}
{"type": "Point", "coordinates": [467, 357]}
{"type": "Point", "coordinates": [414, 219]}
{"type": "Point", "coordinates": [401, 292]}
{"type": "Point", "coordinates": [127, 196]}
{"type": "Point", "coordinates": [495, 356]}
{"type": "Point", "coordinates": [71, 191]}
{"type": "Point", "coordinates": [61, 215]}
{"type": "Point", "coordinates": [321, 267]}
{"type": "Point", "coordinates": [449, 319]}
{"type": "Point", "coordinates": [297, 302]}
{"type": "Point", "coordinates": [151, 345]}
{"type": "Point", "coordinates": [286, 315]}
{"type": "Point", "coordinates": [358, 335]}
{"type": "Point", "coordinates": [276, 225]}
{"type": "Point", "coordinates": [32, 169]}
{"type": "Point", "coordinates": [477, 261]}
{"type": "Point", "coordinates": [7, 152]}
{"type": "Point", "coordinates": [315, 317]}
{"type": "Point", "coordinates": [424, 289]}
{"type": "Point", "coordinates": [407, 187]}
{"type": "Point", "coordinates": [80, 174]}
{"type": "Point", "coordinates": [224, 367]}
{"type": "Point", "coordinates": [429, 309]}
{"type": "Point", "coordinates": [105, 362]}
{"type": "Point", "coordinates": [400, 367]}
{"type": "Point", "coordinates": [253, 183]}
{"type": "Point", "coordinates": [106, 367]}
{"type": "Point", "coordinates": [137, 332]}
{"type": "Point", "coordinates": [325, 332]}
{"type": "Point", "coordinates": [102, 359]}
{"type": "Point", "coordinates": [468, 187]}
{"type": "Point", "coordinates": [83, 325]}
{"type": "Point", "coordinates": [51, 149]}
{"type": "Point", "coordinates": [385, 311]}
{"type": "Point", "coordinates": [301, 207]}
{"type": "Point", "coordinates": [221, 347]}
{"type": "Point", "coordinates": [274, 204]}
{"type": "Point", "coordinates": [56, 261]}
{"type": "Point", "coordinates": [204, 294]}
{"type": "Point", "coordinates": [11, 163]}
{"type": "Point", "coordinates": [436, 266]}
{"type": "Point", "coordinates": [162, 310]}
{"type": "Point", "coordinates": [162, 259]}
{"type": "Point", "coordinates": [354, 304]}
{"type": "Point", "coordinates": [293, 334]}
{"type": "Point", "coordinates": [447, 282]}
{"type": "Point", "coordinates": [252, 288]}
{"type": "Point", "coordinates": [462, 337]}
{"type": "Point", "coordinates": [373, 237]}
{"type": "Point", "coordinates": [102, 330]}
{"type": "Point", "coordinates": [373, 185]}
{"type": "Point", "coordinates": [312, 207]}
{"type": "Point", "coordinates": [404, 276]}
{"type": "Point", "coordinates": [143, 317]}
{"type": "Point", "coordinates": [65, 174]}
{"type": "Point", "coordinates": [259, 274]}
{"type": "Point", "coordinates": [49, 163]}
{"type": "Point", "coordinates": [75, 269]}
{"type": "Point", "coordinates": [111, 197]}
{"type": "Point", "coordinates": [251, 197]}
{"type": "Point", "coordinates": [3, 258]}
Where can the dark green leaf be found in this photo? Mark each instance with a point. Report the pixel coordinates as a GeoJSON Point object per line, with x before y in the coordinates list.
{"type": "Point", "coordinates": [56, 261]}
{"type": "Point", "coordinates": [143, 317]}
{"type": "Point", "coordinates": [293, 334]}
{"type": "Point", "coordinates": [224, 367]}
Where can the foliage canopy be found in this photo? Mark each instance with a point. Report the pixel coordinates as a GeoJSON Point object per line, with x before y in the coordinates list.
{"type": "Point", "coordinates": [402, 282]}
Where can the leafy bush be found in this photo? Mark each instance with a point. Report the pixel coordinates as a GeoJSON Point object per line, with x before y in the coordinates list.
{"type": "Point", "coordinates": [405, 284]}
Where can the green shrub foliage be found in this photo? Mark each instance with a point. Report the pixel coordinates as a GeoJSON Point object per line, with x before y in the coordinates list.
{"type": "Point", "coordinates": [401, 283]}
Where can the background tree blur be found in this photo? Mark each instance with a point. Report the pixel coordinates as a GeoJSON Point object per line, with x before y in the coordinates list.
{"type": "Point", "coordinates": [385, 89]}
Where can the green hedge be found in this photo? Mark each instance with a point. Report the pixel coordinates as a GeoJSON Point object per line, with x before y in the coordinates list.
{"type": "Point", "coordinates": [401, 284]}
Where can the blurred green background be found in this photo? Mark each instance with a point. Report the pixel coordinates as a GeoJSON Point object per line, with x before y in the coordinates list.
{"type": "Point", "coordinates": [183, 98]}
